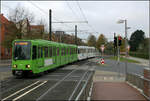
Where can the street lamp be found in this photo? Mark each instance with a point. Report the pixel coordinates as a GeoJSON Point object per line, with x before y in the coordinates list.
{"type": "Point", "coordinates": [126, 43]}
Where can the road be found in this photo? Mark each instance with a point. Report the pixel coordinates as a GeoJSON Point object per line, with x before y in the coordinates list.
{"type": "Point", "coordinates": [60, 84]}
{"type": "Point", "coordinates": [111, 65]}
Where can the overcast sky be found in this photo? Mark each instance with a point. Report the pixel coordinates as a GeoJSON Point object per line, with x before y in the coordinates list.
{"type": "Point", "coordinates": [101, 15]}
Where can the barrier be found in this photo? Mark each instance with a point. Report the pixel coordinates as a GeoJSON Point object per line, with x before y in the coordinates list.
{"type": "Point", "coordinates": [84, 92]}
{"type": "Point", "coordinates": [140, 82]}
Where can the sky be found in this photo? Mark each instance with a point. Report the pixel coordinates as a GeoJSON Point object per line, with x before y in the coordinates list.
{"type": "Point", "coordinates": [102, 16]}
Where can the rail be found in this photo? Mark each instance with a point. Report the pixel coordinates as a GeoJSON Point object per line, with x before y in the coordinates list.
{"type": "Point", "coordinates": [139, 82]}
{"type": "Point", "coordinates": [84, 93]}
{"type": "Point", "coordinates": [59, 82]}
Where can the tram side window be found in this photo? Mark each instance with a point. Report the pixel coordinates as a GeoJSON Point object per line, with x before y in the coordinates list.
{"type": "Point", "coordinates": [39, 54]}
{"type": "Point", "coordinates": [41, 51]}
{"type": "Point", "coordinates": [46, 51]}
{"type": "Point", "coordinates": [34, 52]}
{"type": "Point", "coordinates": [78, 51]}
{"type": "Point", "coordinates": [57, 51]}
{"type": "Point", "coordinates": [50, 51]}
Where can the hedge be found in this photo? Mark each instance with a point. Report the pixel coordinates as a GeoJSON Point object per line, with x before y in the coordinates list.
{"type": "Point", "coordinates": [140, 55]}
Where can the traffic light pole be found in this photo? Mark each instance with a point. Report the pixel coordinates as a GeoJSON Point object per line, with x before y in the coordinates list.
{"type": "Point", "coordinates": [118, 56]}
{"type": "Point", "coordinates": [114, 45]}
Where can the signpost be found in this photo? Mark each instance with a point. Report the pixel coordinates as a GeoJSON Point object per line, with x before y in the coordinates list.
{"type": "Point", "coordinates": [102, 49]}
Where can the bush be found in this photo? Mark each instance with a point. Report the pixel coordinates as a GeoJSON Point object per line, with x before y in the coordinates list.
{"type": "Point", "coordinates": [140, 55]}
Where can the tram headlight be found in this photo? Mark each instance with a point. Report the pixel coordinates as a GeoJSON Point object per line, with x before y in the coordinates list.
{"type": "Point", "coordinates": [15, 66]}
{"type": "Point", "coordinates": [27, 66]}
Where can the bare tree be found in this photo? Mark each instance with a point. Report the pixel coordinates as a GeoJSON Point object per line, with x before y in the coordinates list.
{"type": "Point", "coordinates": [22, 18]}
{"type": "Point", "coordinates": [43, 22]}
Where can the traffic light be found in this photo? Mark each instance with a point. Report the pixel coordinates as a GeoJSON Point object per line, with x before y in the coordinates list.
{"type": "Point", "coordinates": [115, 41]}
{"type": "Point", "coordinates": [119, 40]}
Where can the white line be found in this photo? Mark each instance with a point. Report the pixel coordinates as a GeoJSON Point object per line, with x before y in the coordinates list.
{"type": "Point", "coordinates": [28, 91]}
{"type": "Point", "coordinates": [19, 91]}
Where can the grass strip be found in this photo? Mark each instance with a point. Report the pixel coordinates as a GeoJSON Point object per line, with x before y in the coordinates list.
{"type": "Point", "coordinates": [122, 59]}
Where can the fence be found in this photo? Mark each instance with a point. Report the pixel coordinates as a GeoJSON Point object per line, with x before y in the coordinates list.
{"type": "Point", "coordinates": [141, 83]}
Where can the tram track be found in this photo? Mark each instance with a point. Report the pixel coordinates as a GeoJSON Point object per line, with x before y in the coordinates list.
{"type": "Point", "coordinates": [20, 94]}
{"type": "Point", "coordinates": [58, 83]}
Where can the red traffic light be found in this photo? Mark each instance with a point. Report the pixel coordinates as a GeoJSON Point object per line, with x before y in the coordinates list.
{"type": "Point", "coordinates": [119, 38]}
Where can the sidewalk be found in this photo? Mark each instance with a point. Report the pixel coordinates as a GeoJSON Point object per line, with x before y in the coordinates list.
{"type": "Point", "coordinates": [108, 85]}
{"type": "Point", "coordinates": [115, 91]}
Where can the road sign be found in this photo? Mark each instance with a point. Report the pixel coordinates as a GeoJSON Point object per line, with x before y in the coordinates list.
{"type": "Point", "coordinates": [102, 48]}
{"type": "Point", "coordinates": [128, 47]}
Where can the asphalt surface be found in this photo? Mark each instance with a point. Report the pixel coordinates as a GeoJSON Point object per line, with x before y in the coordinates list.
{"type": "Point", "coordinates": [113, 66]}
{"type": "Point", "coordinates": [47, 87]}
{"type": "Point", "coordinates": [5, 68]}
{"type": "Point", "coordinates": [44, 83]}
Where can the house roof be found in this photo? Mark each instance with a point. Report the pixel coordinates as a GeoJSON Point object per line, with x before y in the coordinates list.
{"type": "Point", "coordinates": [3, 19]}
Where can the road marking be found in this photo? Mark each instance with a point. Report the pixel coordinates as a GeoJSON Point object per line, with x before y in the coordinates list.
{"type": "Point", "coordinates": [29, 91]}
{"type": "Point", "coordinates": [19, 91]}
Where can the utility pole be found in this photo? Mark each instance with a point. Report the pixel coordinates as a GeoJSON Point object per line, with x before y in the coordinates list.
{"type": "Point", "coordinates": [75, 27]}
{"type": "Point", "coordinates": [50, 25]}
{"type": "Point", "coordinates": [76, 35]}
{"type": "Point", "coordinates": [118, 56]}
{"type": "Point", "coordinates": [126, 43]}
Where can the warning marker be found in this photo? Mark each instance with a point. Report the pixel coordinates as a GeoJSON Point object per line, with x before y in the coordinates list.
{"type": "Point", "coordinates": [102, 61]}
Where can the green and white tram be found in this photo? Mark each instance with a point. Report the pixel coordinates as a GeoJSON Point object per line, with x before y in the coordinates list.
{"type": "Point", "coordinates": [37, 56]}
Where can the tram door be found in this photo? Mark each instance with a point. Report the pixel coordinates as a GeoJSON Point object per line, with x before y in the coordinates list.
{"type": "Point", "coordinates": [40, 60]}
{"type": "Point", "coordinates": [54, 55]}
{"type": "Point", "coordinates": [34, 56]}
{"type": "Point", "coordinates": [57, 57]}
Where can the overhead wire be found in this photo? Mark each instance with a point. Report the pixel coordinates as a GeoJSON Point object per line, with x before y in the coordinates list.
{"type": "Point", "coordinates": [46, 13]}
{"type": "Point", "coordinates": [73, 12]}
{"type": "Point", "coordinates": [84, 16]}
{"type": "Point", "coordinates": [70, 9]}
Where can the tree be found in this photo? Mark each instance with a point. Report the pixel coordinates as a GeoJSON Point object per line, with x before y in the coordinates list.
{"type": "Point", "coordinates": [18, 16]}
{"type": "Point", "coordinates": [122, 47]}
{"type": "Point", "coordinates": [43, 22]}
{"type": "Point", "coordinates": [101, 41]}
{"type": "Point", "coordinates": [136, 39]}
{"type": "Point", "coordinates": [91, 41]}
{"type": "Point", "coordinates": [144, 46]}
{"type": "Point", "coordinates": [109, 48]}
